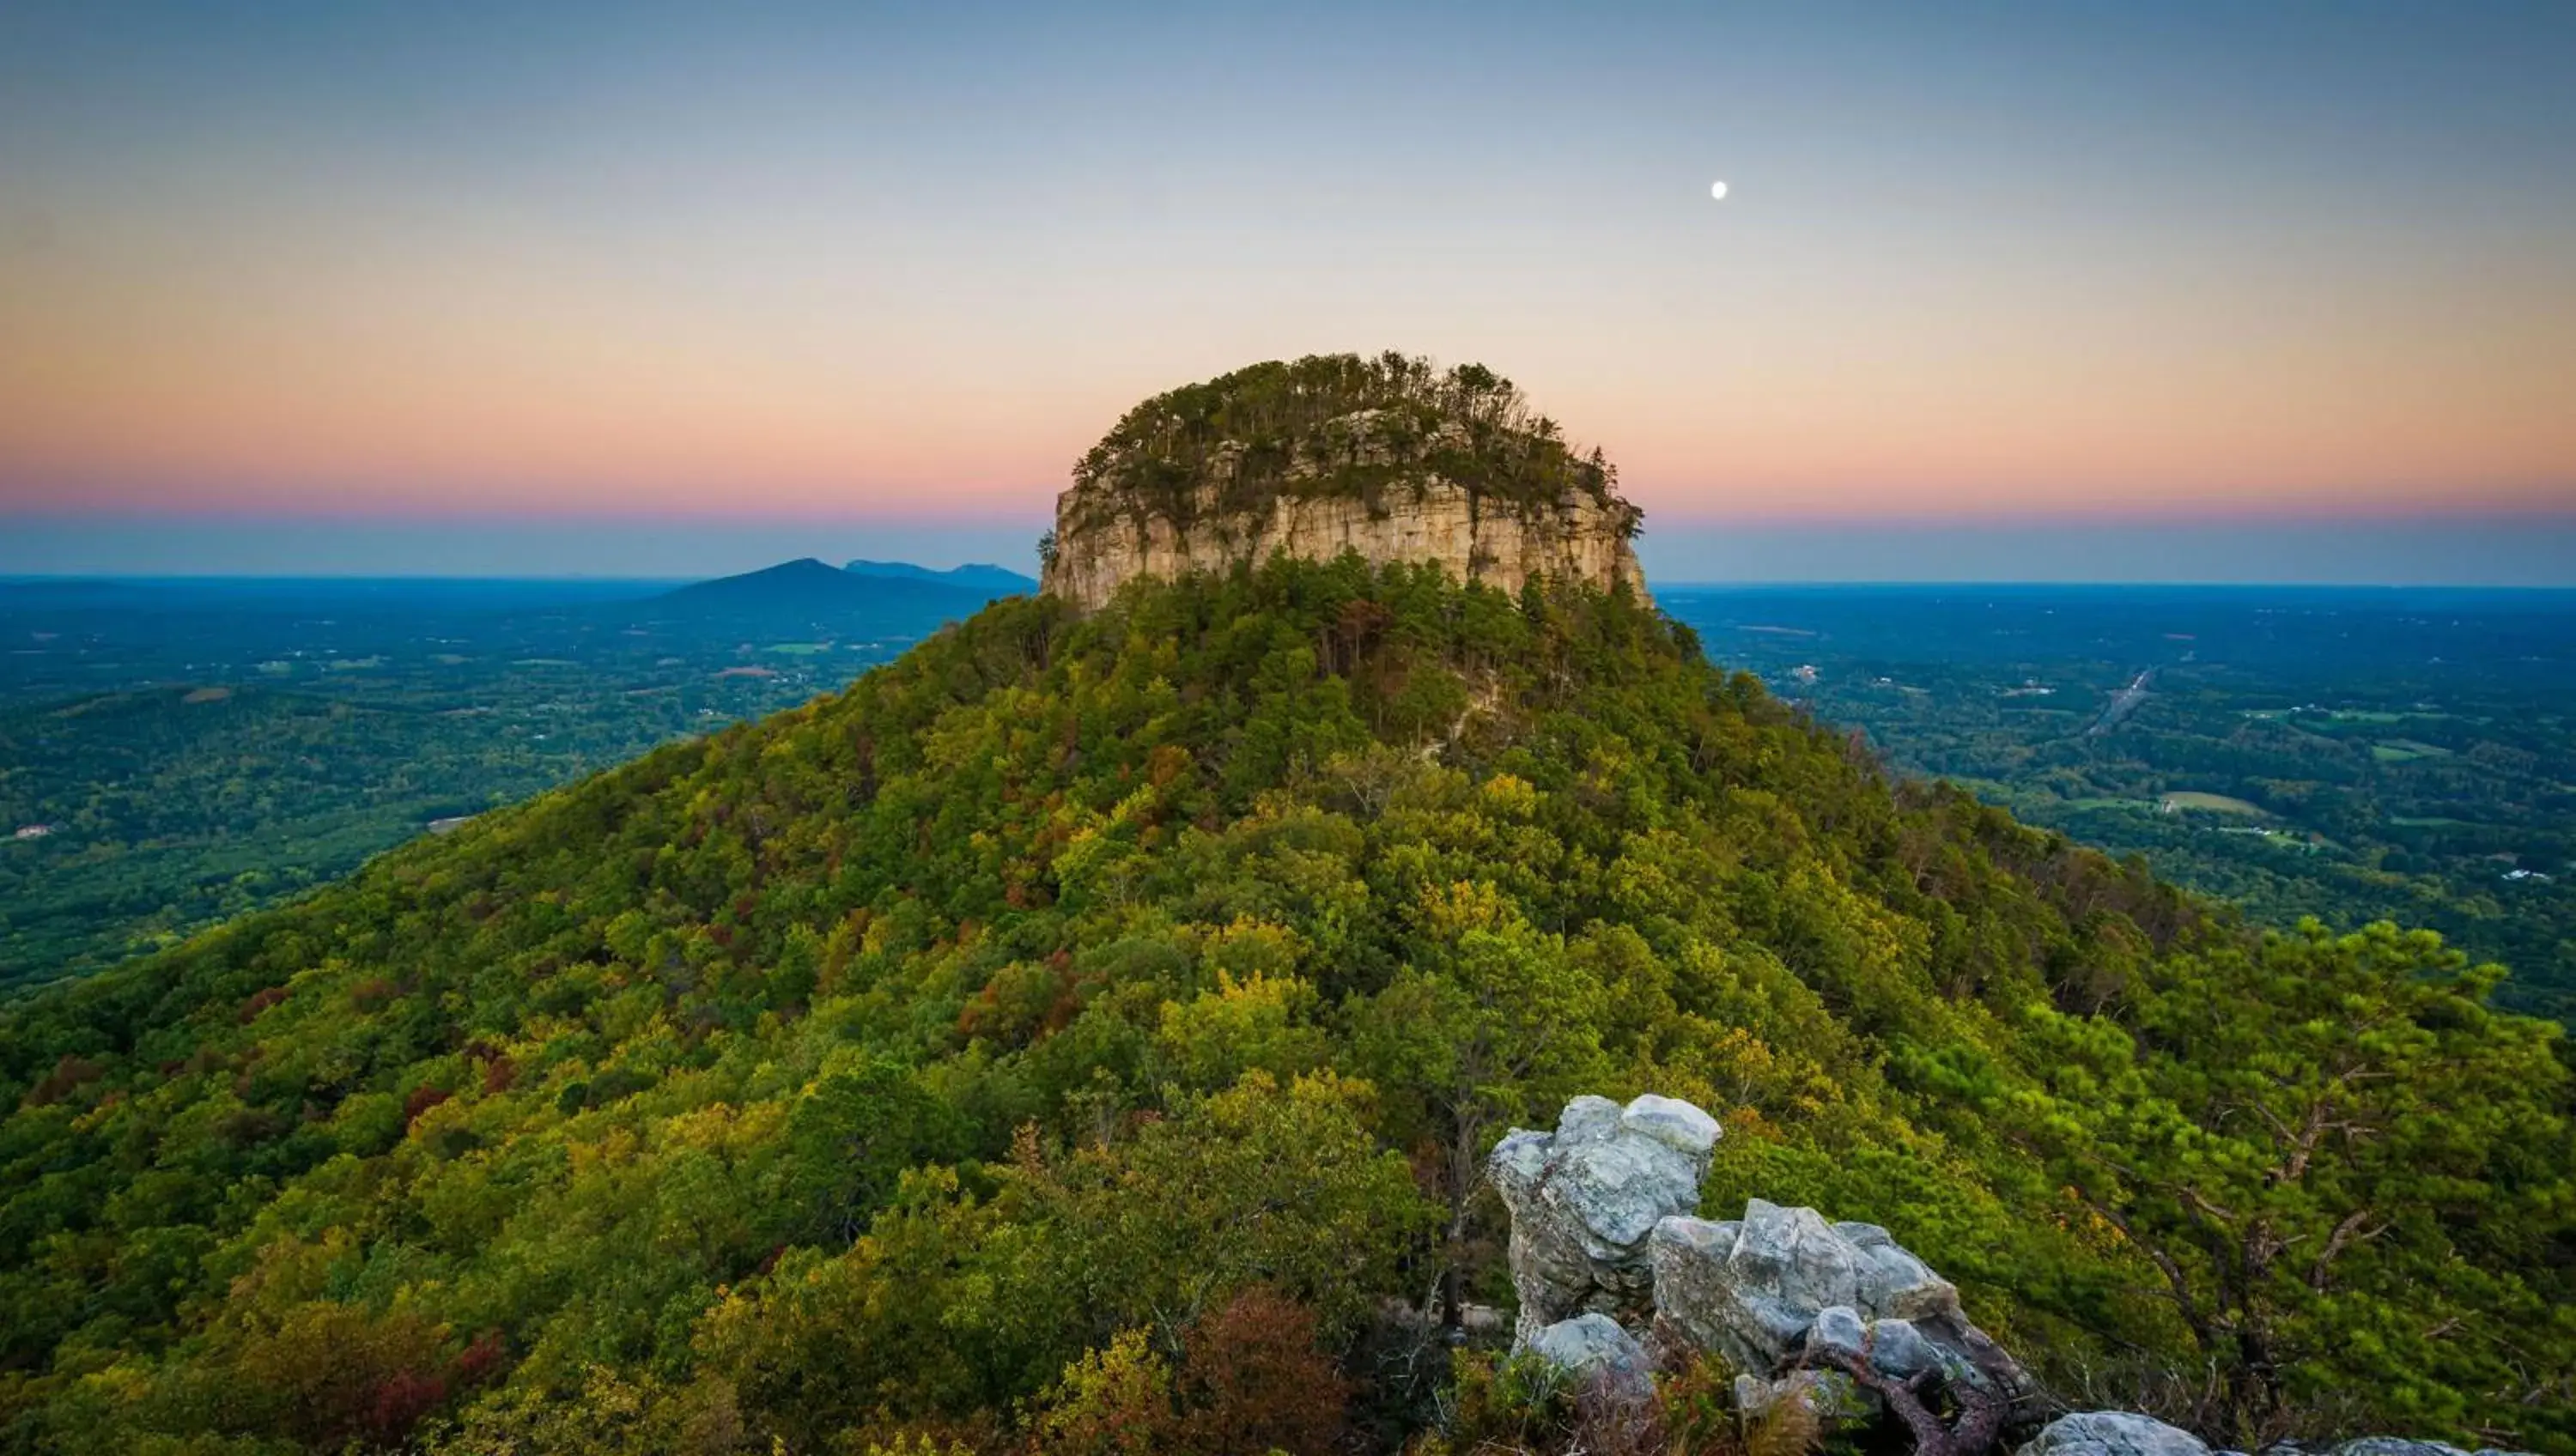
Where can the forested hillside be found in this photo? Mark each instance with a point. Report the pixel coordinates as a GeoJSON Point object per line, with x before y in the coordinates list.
{"type": "Point", "coordinates": [176, 752]}
{"type": "Point", "coordinates": [1084, 1035]}
{"type": "Point", "coordinates": [2352, 754]}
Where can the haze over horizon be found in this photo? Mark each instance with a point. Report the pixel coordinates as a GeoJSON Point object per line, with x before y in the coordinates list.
{"type": "Point", "coordinates": [2197, 292]}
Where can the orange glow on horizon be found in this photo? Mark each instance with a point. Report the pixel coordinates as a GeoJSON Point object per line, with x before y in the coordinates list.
{"type": "Point", "coordinates": [484, 380]}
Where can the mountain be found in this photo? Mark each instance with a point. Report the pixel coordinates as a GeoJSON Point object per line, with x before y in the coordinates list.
{"type": "Point", "coordinates": [809, 585]}
{"type": "Point", "coordinates": [975, 576]}
{"type": "Point", "coordinates": [1086, 1034]}
{"type": "Point", "coordinates": [1388, 457]}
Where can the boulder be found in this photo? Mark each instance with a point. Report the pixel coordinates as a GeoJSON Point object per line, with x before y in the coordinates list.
{"type": "Point", "coordinates": [2112, 1433]}
{"type": "Point", "coordinates": [2402, 1446]}
{"type": "Point", "coordinates": [1893, 1283]}
{"type": "Point", "coordinates": [1585, 1198]}
{"type": "Point", "coordinates": [1594, 1347]}
{"type": "Point", "coordinates": [1893, 1347]}
{"type": "Point", "coordinates": [1750, 1289]}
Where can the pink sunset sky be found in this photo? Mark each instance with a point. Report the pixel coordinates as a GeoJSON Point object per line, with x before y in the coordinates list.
{"type": "Point", "coordinates": [2189, 266]}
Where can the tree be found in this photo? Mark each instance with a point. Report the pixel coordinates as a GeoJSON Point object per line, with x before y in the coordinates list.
{"type": "Point", "coordinates": [1489, 1022]}
{"type": "Point", "coordinates": [1258, 1184]}
{"type": "Point", "coordinates": [2328, 1148]}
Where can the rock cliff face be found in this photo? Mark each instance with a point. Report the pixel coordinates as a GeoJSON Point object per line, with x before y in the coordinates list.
{"type": "Point", "coordinates": [1426, 520]}
{"type": "Point", "coordinates": [1383, 458]}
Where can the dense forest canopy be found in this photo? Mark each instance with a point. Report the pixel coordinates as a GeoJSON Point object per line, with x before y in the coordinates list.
{"type": "Point", "coordinates": [2349, 753]}
{"type": "Point", "coordinates": [1336, 425]}
{"type": "Point", "coordinates": [1083, 1034]}
{"type": "Point", "coordinates": [180, 752]}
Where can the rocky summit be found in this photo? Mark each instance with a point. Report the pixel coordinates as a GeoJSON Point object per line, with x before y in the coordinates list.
{"type": "Point", "coordinates": [1387, 457]}
{"type": "Point", "coordinates": [1618, 1279]}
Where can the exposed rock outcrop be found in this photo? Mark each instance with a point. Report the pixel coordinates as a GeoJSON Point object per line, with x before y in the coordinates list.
{"type": "Point", "coordinates": [1782, 1282]}
{"type": "Point", "coordinates": [2407, 1447]}
{"type": "Point", "coordinates": [1617, 1274]}
{"type": "Point", "coordinates": [1595, 1347]}
{"type": "Point", "coordinates": [1836, 1315]}
{"type": "Point", "coordinates": [2112, 1433]}
{"type": "Point", "coordinates": [1585, 1198]}
{"type": "Point", "coordinates": [1385, 458]}
{"type": "Point", "coordinates": [1427, 519]}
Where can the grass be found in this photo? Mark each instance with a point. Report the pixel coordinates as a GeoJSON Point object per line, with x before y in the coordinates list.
{"type": "Point", "coordinates": [2406, 750]}
{"type": "Point", "coordinates": [2281, 837]}
{"type": "Point", "coordinates": [2377, 716]}
{"type": "Point", "coordinates": [2181, 799]}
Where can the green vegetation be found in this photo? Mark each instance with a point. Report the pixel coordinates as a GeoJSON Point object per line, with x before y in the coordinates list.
{"type": "Point", "coordinates": [215, 756]}
{"type": "Point", "coordinates": [1082, 1035]}
{"type": "Point", "coordinates": [2406, 750]}
{"type": "Point", "coordinates": [2277, 702]}
{"type": "Point", "coordinates": [1336, 425]}
{"type": "Point", "coordinates": [2179, 800]}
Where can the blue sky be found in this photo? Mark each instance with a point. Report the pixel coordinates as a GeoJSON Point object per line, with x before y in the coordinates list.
{"type": "Point", "coordinates": [403, 287]}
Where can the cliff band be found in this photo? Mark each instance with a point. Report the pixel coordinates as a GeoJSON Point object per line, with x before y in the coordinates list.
{"type": "Point", "coordinates": [1386, 457]}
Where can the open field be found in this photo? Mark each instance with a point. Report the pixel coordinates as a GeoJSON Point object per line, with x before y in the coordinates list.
{"type": "Point", "coordinates": [2182, 799]}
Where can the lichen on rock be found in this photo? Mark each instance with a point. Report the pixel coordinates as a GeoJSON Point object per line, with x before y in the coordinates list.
{"type": "Point", "coordinates": [1585, 1198]}
{"type": "Point", "coordinates": [1839, 1316]}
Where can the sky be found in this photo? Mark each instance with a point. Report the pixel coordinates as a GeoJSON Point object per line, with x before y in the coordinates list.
{"type": "Point", "coordinates": [2047, 291]}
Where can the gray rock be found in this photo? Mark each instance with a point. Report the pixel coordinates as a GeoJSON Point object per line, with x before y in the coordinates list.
{"type": "Point", "coordinates": [1865, 1235]}
{"type": "Point", "coordinates": [1893, 1347]}
{"type": "Point", "coordinates": [1897, 1348]}
{"type": "Point", "coordinates": [1672, 1122]}
{"type": "Point", "coordinates": [1584, 1199]}
{"type": "Point", "coordinates": [1604, 1229]}
{"type": "Point", "coordinates": [1784, 1282]}
{"type": "Point", "coordinates": [2112, 1433]}
{"type": "Point", "coordinates": [1693, 1299]}
{"type": "Point", "coordinates": [2406, 1446]}
{"type": "Point", "coordinates": [1593, 1346]}
{"type": "Point", "coordinates": [1752, 1298]}
{"type": "Point", "coordinates": [2396, 1446]}
{"type": "Point", "coordinates": [1839, 1328]}
{"type": "Point", "coordinates": [1896, 1285]}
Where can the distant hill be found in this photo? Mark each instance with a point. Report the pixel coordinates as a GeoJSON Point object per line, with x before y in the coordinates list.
{"type": "Point", "coordinates": [807, 585]}
{"type": "Point", "coordinates": [974, 576]}
{"type": "Point", "coordinates": [40, 593]}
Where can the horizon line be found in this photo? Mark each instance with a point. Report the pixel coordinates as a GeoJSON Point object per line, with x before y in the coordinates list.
{"type": "Point", "coordinates": [72, 578]}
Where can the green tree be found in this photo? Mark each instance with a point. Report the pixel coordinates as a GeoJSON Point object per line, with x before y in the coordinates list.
{"type": "Point", "coordinates": [1490, 1021]}
{"type": "Point", "coordinates": [2329, 1148]}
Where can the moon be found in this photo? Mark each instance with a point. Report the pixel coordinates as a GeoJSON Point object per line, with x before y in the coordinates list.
{"type": "Point", "coordinates": [1717, 191]}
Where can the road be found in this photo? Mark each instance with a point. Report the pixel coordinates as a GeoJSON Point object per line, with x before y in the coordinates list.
{"type": "Point", "coordinates": [2123, 703]}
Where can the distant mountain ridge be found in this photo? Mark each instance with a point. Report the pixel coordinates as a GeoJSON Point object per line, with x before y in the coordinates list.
{"type": "Point", "coordinates": [807, 584]}
{"type": "Point", "coordinates": [975, 575]}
